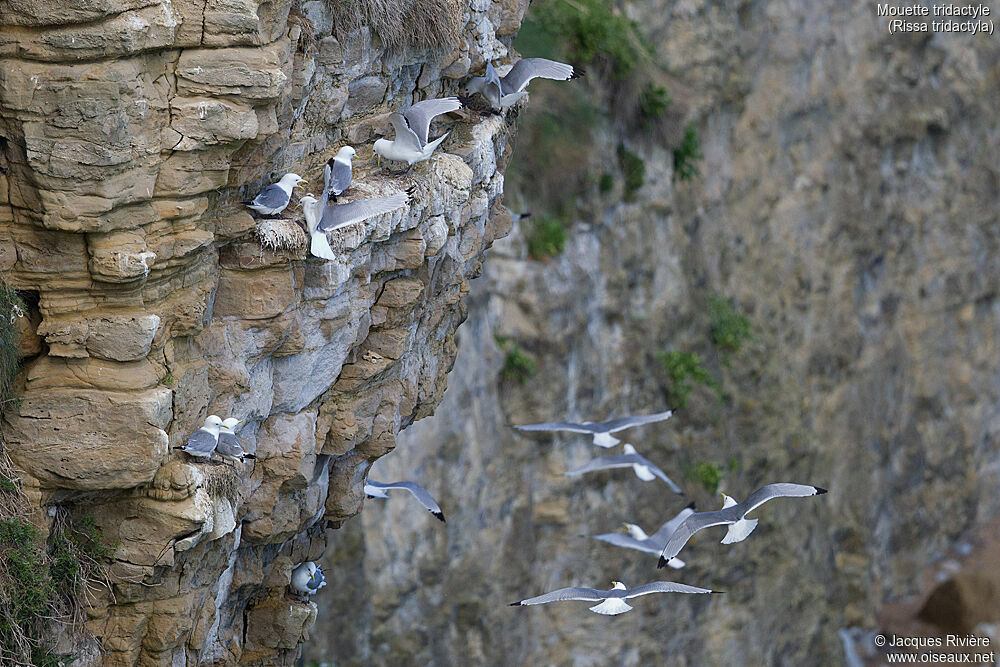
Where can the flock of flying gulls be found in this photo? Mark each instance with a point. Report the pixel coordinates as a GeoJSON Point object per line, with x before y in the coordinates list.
{"type": "Point", "coordinates": [412, 144]}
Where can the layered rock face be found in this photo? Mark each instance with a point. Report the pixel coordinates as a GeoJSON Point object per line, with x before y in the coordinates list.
{"type": "Point", "coordinates": [129, 134]}
{"type": "Point", "coordinates": [847, 205]}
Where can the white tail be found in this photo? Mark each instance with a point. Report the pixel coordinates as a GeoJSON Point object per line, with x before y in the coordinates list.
{"type": "Point", "coordinates": [320, 246]}
{"type": "Point", "coordinates": [739, 531]}
{"type": "Point", "coordinates": [611, 607]}
{"type": "Point", "coordinates": [605, 440]}
{"type": "Point", "coordinates": [676, 563]}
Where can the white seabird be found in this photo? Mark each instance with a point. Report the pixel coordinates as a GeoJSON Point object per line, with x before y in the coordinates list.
{"type": "Point", "coordinates": [375, 489]}
{"type": "Point", "coordinates": [340, 166]}
{"type": "Point", "coordinates": [644, 469]}
{"type": "Point", "coordinates": [230, 446]}
{"type": "Point", "coordinates": [734, 515]}
{"type": "Point", "coordinates": [600, 430]}
{"type": "Point", "coordinates": [612, 601]}
{"type": "Point", "coordinates": [651, 544]}
{"type": "Point", "coordinates": [202, 442]}
{"type": "Point", "coordinates": [412, 128]}
{"type": "Point", "coordinates": [322, 219]}
{"type": "Point", "coordinates": [502, 92]}
{"type": "Point", "coordinates": [307, 578]}
{"type": "Point", "coordinates": [273, 199]}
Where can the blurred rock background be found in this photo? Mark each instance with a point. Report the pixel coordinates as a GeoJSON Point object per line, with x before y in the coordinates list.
{"type": "Point", "coordinates": [781, 221]}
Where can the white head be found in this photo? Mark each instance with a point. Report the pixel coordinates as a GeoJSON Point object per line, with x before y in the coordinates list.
{"type": "Point", "coordinates": [727, 501]}
{"type": "Point", "coordinates": [629, 449]}
{"type": "Point", "coordinates": [212, 423]}
{"type": "Point", "coordinates": [382, 147]}
{"type": "Point", "coordinates": [290, 180]}
{"type": "Point", "coordinates": [617, 586]}
{"type": "Point", "coordinates": [308, 205]}
{"type": "Point", "coordinates": [635, 532]}
{"type": "Point", "coordinates": [346, 154]}
{"type": "Point", "coordinates": [230, 424]}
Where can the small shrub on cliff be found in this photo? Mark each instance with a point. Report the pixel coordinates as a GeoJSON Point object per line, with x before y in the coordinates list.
{"type": "Point", "coordinates": [546, 237]}
{"type": "Point", "coordinates": [708, 474]}
{"type": "Point", "coordinates": [654, 102]}
{"type": "Point", "coordinates": [11, 308]}
{"type": "Point", "coordinates": [517, 365]}
{"type": "Point", "coordinates": [634, 169]}
{"type": "Point", "coordinates": [730, 328]}
{"type": "Point", "coordinates": [686, 155]}
{"type": "Point", "coordinates": [681, 369]}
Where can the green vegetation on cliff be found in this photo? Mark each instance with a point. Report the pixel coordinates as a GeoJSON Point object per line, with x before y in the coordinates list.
{"type": "Point", "coordinates": [11, 308]}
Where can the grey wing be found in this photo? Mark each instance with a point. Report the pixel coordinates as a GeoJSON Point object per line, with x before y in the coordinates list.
{"type": "Point", "coordinates": [694, 523]}
{"type": "Point", "coordinates": [659, 473]}
{"type": "Point", "coordinates": [405, 136]}
{"type": "Point", "coordinates": [615, 425]}
{"type": "Point", "coordinates": [201, 442]}
{"type": "Point", "coordinates": [771, 491]}
{"type": "Point", "coordinates": [229, 445]}
{"type": "Point", "coordinates": [271, 197]}
{"type": "Point", "coordinates": [663, 587]}
{"type": "Point", "coordinates": [667, 529]}
{"type": "Point", "coordinates": [341, 177]}
{"type": "Point", "coordinates": [607, 463]}
{"type": "Point", "coordinates": [619, 540]}
{"type": "Point", "coordinates": [419, 492]}
{"type": "Point", "coordinates": [340, 215]}
{"type": "Point", "coordinates": [526, 69]}
{"type": "Point", "coordinates": [572, 593]}
{"type": "Point", "coordinates": [419, 115]}
{"type": "Point", "coordinates": [493, 81]}
{"type": "Point", "coordinates": [376, 489]}
{"type": "Point", "coordinates": [559, 426]}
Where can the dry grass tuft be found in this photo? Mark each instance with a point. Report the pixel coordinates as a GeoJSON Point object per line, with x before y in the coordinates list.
{"type": "Point", "coordinates": [402, 23]}
{"type": "Point", "coordinates": [223, 482]}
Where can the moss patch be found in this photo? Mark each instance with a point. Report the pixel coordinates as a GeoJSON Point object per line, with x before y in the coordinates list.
{"type": "Point", "coordinates": [634, 170]}
{"type": "Point", "coordinates": [686, 155]}
{"type": "Point", "coordinates": [546, 237]}
{"type": "Point", "coordinates": [682, 369]}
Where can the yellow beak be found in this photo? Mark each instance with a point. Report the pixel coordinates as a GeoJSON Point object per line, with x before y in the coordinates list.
{"type": "Point", "coordinates": [378, 159]}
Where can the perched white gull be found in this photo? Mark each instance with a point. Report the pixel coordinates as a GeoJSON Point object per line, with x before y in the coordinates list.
{"type": "Point", "coordinates": [412, 126]}
{"type": "Point", "coordinates": [340, 166]}
{"type": "Point", "coordinates": [322, 219]}
{"type": "Point", "coordinates": [273, 199]}
{"type": "Point", "coordinates": [612, 601]}
{"type": "Point", "coordinates": [502, 92]}
{"type": "Point", "coordinates": [230, 446]}
{"type": "Point", "coordinates": [600, 430]}
{"type": "Point", "coordinates": [643, 467]}
{"type": "Point", "coordinates": [734, 515]}
{"type": "Point", "coordinates": [379, 490]}
{"type": "Point", "coordinates": [202, 442]}
{"type": "Point", "coordinates": [307, 578]}
{"type": "Point", "coordinates": [650, 544]}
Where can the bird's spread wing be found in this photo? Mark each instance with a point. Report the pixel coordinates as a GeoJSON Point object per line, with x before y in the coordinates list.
{"type": "Point", "coordinates": [405, 136]}
{"type": "Point", "coordinates": [558, 426]}
{"type": "Point", "coordinates": [493, 86]}
{"type": "Point", "coordinates": [572, 593]}
{"type": "Point", "coordinates": [607, 463]}
{"type": "Point", "coordinates": [663, 587]}
{"type": "Point", "coordinates": [771, 491]}
{"type": "Point", "coordinates": [419, 115]}
{"type": "Point", "coordinates": [627, 542]}
{"type": "Point", "coordinates": [694, 523]}
{"type": "Point", "coordinates": [419, 492]}
{"type": "Point", "coordinates": [340, 179]}
{"type": "Point", "coordinates": [615, 425]}
{"type": "Point", "coordinates": [271, 197]}
{"type": "Point", "coordinates": [666, 530]}
{"type": "Point", "coordinates": [526, 69]}
{"type": "Point", "coordinates": [340, 215]}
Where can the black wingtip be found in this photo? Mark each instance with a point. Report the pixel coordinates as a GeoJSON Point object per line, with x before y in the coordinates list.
{"type": "Point", "coordinates": [180, 448]}
{"type": "Point", "coordinates": [717, 592]}
{"type": "Point", "coordinates": [249, 456]}
{"type": "Point", "coordinates": [464, 100]}
{"type": "Point", "coordinates": [578, 72]}
{"type": "Point", "coordinates": [440, 516]}
{"type": "Point", "coordinates": [689, 506]}
{"type": "Point", "coordinates": [515, 604]}
{"type": "Point", "coordinates": [819, 491]}
{"type": "Point", "coordinates": [662, 563]}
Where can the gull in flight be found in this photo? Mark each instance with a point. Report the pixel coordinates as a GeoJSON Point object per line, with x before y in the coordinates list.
{"type": "Point", "coordinates": [412, 126]}
{"type": "Point", "coordinates": [307, 579]}
{"type": "Point", "coordinates": [202, 442]}
{"type": "Point", "coordinates": [732, 514]}
{"type": "Point", "coordinates": [612, 602]}
{"type": "Point", "coordinates": [273, 199]}
{"type": "Point", "coordinates": [340, 167]}
{"type": "Point", "coordinates": [375, 489]}
{"type": "Point", "coordinates": [643, 467]}
{"type": "Point", "coordinates": [600, 430]}
{"type": "Point", "coordinates": [502, 92]}
{"type": "Point", "coordinates": [650, 544]}
{"type": "Point", "coordinates": [230, 446]}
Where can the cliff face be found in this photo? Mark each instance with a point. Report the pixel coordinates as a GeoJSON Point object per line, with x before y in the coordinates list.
{"type": "Point", "coordinates": [129, 134]}
{"type": "Point", "coordinates": [846, 205]}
